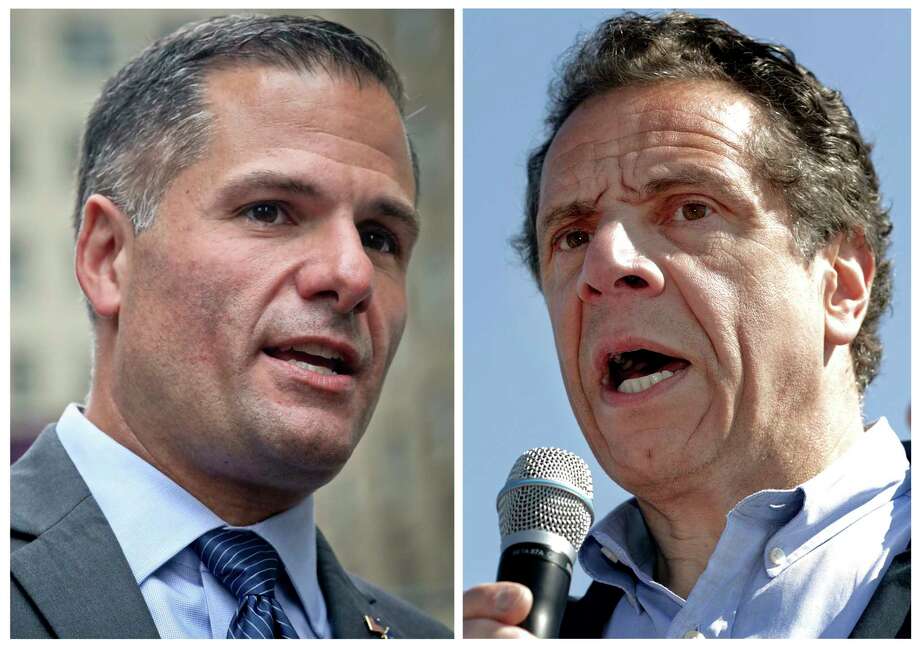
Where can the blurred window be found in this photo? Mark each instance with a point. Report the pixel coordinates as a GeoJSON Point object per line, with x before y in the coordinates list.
{"type": "Point", "coordinates": [17, 265]}
{"type": "Point", "coordinates": [70, 151]}
{"type": "Point", "coordinates": [23, 377]}
{"type": "Point", "coordinates": [16, 166]}
{"type": "Point", "coordinates": [171, 23]}
{"type": "Point", "coordinates": [87, 47]}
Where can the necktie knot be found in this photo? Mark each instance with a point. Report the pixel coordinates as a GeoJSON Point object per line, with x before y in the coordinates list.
{"type": "Point", "coordinates": [241, 560]}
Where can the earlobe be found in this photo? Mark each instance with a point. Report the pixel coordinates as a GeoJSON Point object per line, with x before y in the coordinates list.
{"type": "Point", "coordinates": [848, 287]}
{"type": "Point", "coordinates": [103, 248]}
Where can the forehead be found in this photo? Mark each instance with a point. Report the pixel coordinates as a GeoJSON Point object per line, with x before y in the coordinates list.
{"type": "Point", "coordinates": [260, 109]}
{"type": "Point", "coordinates": [626, 138]}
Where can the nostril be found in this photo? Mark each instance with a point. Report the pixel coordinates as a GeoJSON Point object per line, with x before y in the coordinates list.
{"type": "Point", "coordinates": [587, 292]}
{"type": "Point", "coordinates": [362, 306]}
{"type": "Point", "coordinates": [632, 281]}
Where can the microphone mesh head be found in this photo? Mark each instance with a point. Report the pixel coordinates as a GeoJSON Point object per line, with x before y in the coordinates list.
{"type": "Point", "coordinates": [544, 507]}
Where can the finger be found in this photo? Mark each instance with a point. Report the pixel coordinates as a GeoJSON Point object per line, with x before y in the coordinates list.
{"type": "Point", "coordinates": [489, 629]}
{"type": "Point", "coordinates": [505, 602]}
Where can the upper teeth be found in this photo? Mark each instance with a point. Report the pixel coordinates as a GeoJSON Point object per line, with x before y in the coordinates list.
{"type": "Point", "coordinates": [638, 384]}
{"type": "Point", "coordinates": [313, 348]}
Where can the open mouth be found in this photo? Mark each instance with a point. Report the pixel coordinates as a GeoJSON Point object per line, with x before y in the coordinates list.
{"type": "Point", "coordinates": [638, 370]}
{"type": "Point", "coordinates": [313, 357]}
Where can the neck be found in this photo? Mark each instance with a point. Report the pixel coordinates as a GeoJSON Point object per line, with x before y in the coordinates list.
{"type": "Point", "coordinates": [236, 501]}
{"type": "Point", "coordinates": [684, 543]}
{"type": "Point", "coordinates": [687, 521]}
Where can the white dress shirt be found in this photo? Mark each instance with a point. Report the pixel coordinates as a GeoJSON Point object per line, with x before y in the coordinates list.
{"type": "Point", "coordinates": [155, 521]}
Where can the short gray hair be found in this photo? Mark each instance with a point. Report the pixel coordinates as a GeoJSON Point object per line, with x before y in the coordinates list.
{"type": "Point", "coordinates": [150, 121]}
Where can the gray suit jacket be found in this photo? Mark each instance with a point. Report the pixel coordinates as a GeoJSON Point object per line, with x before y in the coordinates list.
{"type": "Point", "coordinates": [71, 579]}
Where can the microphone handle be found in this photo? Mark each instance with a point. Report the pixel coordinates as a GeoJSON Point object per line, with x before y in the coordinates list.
{"type": "Point", "coordinates": [548, 574]}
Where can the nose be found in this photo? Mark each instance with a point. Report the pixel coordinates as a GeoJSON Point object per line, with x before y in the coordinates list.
{"type": "Point", "coordinates": [614, 265]}
{"type": "Point", "coordinates": [337, 268]}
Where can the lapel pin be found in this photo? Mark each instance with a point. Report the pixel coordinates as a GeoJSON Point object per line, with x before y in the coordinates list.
{"type": "Point", "coordinates": [374, 625]}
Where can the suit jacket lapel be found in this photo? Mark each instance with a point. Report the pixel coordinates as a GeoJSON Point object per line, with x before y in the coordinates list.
{"type": "Point", "coordinates": [74, 570]}
{"type": "Point", "coordinates": [346, 605]}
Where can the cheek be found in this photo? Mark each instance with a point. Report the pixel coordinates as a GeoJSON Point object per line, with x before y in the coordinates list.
{"type": "Point", "coordinates": [194, 301]}
{"type": "Point", "coordinates": [749, 304]}
{"type": "Point", "coordinates": [388, 320]}
{"type": "Point", "coordinates": [708, 293]}
{"type": "Point", "coordinates": [565, 316]}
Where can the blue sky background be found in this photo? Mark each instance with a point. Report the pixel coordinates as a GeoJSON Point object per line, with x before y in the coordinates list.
{"type": "Point", "coordinates": [512, 389]}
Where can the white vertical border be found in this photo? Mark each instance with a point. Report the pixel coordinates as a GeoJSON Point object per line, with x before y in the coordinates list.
{"type": "Point", "coordinates": [914, 183]}
{"type": "Point", "coordinates": [458, 322]}
{"type": "Point", "coordinates": [5, 397]}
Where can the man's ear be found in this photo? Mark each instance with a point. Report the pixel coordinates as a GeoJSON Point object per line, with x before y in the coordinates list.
{"type": "Point", "coordinates": [102, 255]}
{"type": "Point", "coordinates": [847, 288]}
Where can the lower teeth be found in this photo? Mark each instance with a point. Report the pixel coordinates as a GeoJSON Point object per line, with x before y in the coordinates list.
{"type": "Point", "coordinates": [322, 370]}
{"type": "Point", "coordinates": [638, 384]}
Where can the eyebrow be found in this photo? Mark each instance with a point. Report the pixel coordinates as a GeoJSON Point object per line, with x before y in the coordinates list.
{"type": "Point", "coordinates": [691, 176]}
{"type": "Point", "coordinates": [392, 209]}
{"type": "Point", "coordinates": [687, 176]}
{"type": "Point", "coordinates": [271, 180]}
{"type": "Point", "coordinates": [266, 180]}
{"type": "Point", "coordinates": [564, 213]}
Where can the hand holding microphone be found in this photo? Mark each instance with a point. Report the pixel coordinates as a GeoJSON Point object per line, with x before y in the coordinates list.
{"type": "Point", "coordinates": [494, 610]}
{"type": "Point", "coordinates": [545, 511]}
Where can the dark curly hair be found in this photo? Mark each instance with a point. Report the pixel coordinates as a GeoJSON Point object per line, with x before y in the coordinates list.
{"type": "Point", "coordinates": [808, 144]}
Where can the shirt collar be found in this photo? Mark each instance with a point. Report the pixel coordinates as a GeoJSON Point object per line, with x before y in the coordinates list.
{"type": "Point", "coordinates": [871, 473]}
{"type": "Point", "coordinates": [293, 534]}
{"type": "Point", "coordinates": [154, 519]}
{"type": "Point", "coordinates": [619, 549]}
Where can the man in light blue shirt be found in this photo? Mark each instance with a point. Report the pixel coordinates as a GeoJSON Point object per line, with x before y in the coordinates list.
{"type": "Point", "coordinates": [705, 224]}
{"type": "Point", "coordinates": [245, 219]}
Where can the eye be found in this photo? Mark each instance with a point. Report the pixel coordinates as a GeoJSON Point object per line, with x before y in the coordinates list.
{"type": "Point", "coordinates": [380, 240]}
{"type": "Point", "coordinates": [267, 213]}
{"type": "Point", "coordinates": [691, 211]}
{"type": "Point", "coordinates": [572, 239]}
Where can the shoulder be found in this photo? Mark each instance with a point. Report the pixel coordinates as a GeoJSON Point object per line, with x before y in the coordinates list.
{"type": "Point", "coordinates": [887, 614]}
{"type": "Point", "coordinates": [411, 621]}
{"type": "Point", "coordinates": [44, 486]}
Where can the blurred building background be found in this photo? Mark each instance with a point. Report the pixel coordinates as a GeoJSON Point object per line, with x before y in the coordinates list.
{"type": "Point", "coordinates": [389, 514]}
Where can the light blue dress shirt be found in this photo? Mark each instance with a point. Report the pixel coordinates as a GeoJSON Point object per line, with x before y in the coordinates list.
{"type": "Point", "coordinates": [155, 521]}
{"type": "Point", "coordinates": [798, 563]}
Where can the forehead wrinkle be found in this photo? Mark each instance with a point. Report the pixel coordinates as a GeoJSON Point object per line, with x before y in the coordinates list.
{"type": "Point", "coordinates": [625, 167]}
{"type": "Point", "coordinates": [638, 142]}
{"type": "Point", "coordinates": [664, 121]}
{"type": "Point", "coordinates": [656, 118]}
{"type": "Point", "coordinates": [338, 148]}
{"type": "Point", "coordinates": [577, 173]}
{"type": "Point", "coordinates": [655, 164]}
{"type": "Point", "coordinates": [649, 128]}
{"type": "Point", "coordinates": [573, 158]}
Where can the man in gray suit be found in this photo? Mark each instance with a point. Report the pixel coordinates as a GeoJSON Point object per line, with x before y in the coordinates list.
{"type": "Point", "coordinates": [245, 218]}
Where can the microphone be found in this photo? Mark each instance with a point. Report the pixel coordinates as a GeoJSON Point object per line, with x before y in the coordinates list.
{"type": "Point", "coordinates": [544, 512]}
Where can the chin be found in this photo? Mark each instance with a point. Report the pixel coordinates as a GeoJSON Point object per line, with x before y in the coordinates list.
{"type": "Point", "coordinates": [642, 455]}
{"type": "Point", "coordinates": [316, 445]}
{"type": "Point", "coordinates": [302, 444]}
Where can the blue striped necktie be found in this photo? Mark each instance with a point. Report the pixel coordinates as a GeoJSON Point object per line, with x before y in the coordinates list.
{"type": "Point", "coordinates": [247, 566]}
